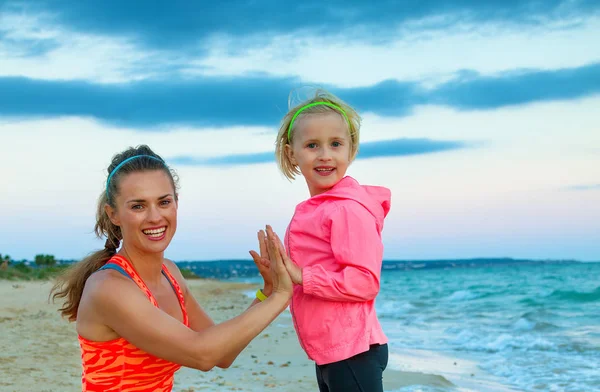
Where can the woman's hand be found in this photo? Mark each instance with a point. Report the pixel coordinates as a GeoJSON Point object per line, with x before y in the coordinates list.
{"type": "Point", "coordinates": [262, 263]}
{"type": "Point", "coordinates": [292, 268]}
{"type": "Point", "coordinates": [282, 282]}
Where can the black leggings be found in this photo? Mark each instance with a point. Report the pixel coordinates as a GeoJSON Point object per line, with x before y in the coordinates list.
{"type": "Point", "coordinates": [360, 373]}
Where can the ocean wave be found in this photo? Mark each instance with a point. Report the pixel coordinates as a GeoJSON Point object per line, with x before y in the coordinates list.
{"type": "Point", "coordinates": [530, 302]}
{"type": "Point", "coordinates": [420, 388]}
{"type": "Point", "coordinates": [523, 324]}
{"type": "Point", "coordinates": [467, 341]}
{"type": "Point", "coordinates": [535, 320]}
{"type": "Point", "coordinates": [394, 309]}
{"type": "Point", "coordinates": [526, 324]}
{"type": "Point", "coordinates": [565, 376]}
{"type": "Point", "coordinates": [576, 296]}
{"type": "Point", "coordinates": [462, 295]}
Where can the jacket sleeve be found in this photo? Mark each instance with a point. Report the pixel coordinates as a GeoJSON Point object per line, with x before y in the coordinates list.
{"type": "Point", "coordinates": [358, 252]}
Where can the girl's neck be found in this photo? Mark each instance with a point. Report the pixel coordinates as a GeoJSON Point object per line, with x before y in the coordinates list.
{"type": "Point", "coordinates": [147, 265]}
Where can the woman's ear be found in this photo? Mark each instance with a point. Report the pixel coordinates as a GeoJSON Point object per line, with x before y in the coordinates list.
{"type": "Point", "coordinates": [112, 215]}
{"type": "Point", "coordinates": [289, 152]}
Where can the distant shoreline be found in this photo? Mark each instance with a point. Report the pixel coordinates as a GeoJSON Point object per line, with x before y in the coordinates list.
{"type": "Point", "coordinates": [243, 268]}
{"type": "Point", "coordinates": [228, 269]}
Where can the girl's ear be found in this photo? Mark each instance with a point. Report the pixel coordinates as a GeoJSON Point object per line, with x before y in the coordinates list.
{"type": "Point", "coordinates": [289, 152]}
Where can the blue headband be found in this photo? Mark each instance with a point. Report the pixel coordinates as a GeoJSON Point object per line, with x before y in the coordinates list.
{"type": "Point", "coordinates": [124, 162]}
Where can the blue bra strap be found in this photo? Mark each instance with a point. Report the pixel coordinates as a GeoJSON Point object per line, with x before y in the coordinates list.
{"type": "Point", "coordinates": [122, 271]}
{"type": "Point", "coordinates": [114, 267]}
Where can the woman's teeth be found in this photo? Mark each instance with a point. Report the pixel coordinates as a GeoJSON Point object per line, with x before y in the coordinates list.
{"type": "Point", "coordinates": [155, 232]}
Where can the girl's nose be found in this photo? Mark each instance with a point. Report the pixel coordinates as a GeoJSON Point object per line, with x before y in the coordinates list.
{"type": "Point", "coordinates": [325, 154]}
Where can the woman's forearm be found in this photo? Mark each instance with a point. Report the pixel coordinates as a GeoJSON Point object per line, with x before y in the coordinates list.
{"type": "Point", "coordinates": [222, 343]}
{"type": "Point", "coordinates": [228, 360]}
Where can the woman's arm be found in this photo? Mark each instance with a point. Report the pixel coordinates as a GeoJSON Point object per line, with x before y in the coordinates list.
{"type": "Point", "coordinates": [199, 320]}
{"type": "Point", "coordinates": [122, 307]}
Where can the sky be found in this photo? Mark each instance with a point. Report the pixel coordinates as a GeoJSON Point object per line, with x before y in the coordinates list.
{"type": "Point", "coordinates": [481, 117]}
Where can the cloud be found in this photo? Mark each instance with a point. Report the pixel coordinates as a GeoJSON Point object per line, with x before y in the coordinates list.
{"type": "Point", "coordinates": [219, 102]}
{"type": "Point", "coordinates": [513, 88]}
{"type": "Point", "coordinates": [185, 24]}
{"type": "Point", "coordinates": [404, 147]}
{"type": "Point", "coordinates": [427, 42]}
{"type": "Point", "coordinates": [368, 150]}
{"type": "Point", "coordinates": [34, 47]}
{"type": "Point", "coordinates": [587, 187]}
{"type": "Point", "coordinates": [260, 100]}
{"type": "Point", "coordinates": [413, 53]}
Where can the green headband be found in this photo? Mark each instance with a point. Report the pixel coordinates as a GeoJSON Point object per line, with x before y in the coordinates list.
{"type": "Point", "coordinates": [331, 105]}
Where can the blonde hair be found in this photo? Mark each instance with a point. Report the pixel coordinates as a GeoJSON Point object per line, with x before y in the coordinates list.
{"type": "Point", "coordinates": [283, 161]}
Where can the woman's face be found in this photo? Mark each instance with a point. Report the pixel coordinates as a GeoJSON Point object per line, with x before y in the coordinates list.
{"type": "Point", "coordinates": [146, 211]}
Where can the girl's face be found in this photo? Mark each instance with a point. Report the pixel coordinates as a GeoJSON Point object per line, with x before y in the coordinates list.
{"type": "Point", "coordinates": [146, 211]}
{"type": "Point", "coordinates": [321, 150]}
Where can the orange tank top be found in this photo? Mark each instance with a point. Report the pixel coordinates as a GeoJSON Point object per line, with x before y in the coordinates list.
{"type": "Point", "coordinates": [117, 365]}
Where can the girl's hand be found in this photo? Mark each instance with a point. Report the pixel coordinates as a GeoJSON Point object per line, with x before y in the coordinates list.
{"type": "Point", "coordinates": [282, 282]}
{"type": "Point", "coordinates": [262, 263]}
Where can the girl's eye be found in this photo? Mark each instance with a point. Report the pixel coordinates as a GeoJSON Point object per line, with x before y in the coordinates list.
{"type": "Point", "coordinates": [336, 144]}
{"type": "Point", "coordinates": [311, 145]}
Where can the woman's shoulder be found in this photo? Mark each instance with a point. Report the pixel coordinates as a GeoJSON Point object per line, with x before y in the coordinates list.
{"type": "Point", "coordinates": [173, 268]}
{"type": "Point", "coordinates": [176, 273]}
{"type": "Point", "coordinates": [106, 281]}
{"type": "Point", "coordinates": [103, 293]}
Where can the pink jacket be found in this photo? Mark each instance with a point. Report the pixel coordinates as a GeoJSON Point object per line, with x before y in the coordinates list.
{"type": "Point", "coordinates": [335, 237]}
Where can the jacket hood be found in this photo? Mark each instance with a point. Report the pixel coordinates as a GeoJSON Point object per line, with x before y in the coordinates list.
{"type": "Point", "coordinates": [376, 199]}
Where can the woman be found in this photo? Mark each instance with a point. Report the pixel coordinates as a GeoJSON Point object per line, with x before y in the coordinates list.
{"type": "Point", "coordinates": [136, 318]}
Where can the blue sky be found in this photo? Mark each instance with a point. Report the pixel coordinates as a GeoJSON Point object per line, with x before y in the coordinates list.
{"type": "Point", "coordinates": [481, 117]}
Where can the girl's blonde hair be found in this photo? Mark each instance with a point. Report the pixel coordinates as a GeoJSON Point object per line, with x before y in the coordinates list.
{"type": "Point", "coordinates": [285, 165]}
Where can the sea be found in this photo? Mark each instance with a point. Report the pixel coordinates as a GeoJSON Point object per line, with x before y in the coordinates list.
{"type": "Point", "coordinates": [524, 325]}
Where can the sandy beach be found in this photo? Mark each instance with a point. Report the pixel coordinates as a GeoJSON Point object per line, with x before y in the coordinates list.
{"type": "Point", "coordinates": [39, 350]}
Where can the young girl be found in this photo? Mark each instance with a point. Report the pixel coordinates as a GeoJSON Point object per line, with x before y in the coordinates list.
{"type": "Point", "coordinates": [334, 247]}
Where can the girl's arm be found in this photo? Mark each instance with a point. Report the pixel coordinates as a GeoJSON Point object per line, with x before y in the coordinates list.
{"type": "Point", "coordinates": [358, 252]}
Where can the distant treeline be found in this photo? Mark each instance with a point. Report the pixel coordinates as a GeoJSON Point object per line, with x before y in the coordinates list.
{"type": "Point", "coordinates": [38, 260]}
{"type": "Point", "coordinates": [43, 267]}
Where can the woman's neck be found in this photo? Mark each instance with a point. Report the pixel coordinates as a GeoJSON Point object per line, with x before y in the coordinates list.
{"type": "Point", "coordinates": [147, 265]}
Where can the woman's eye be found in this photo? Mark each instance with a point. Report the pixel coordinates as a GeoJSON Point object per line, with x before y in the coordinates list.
{"type": "Point", "coordinates": [165, 202]}
{"type": "Point", "coordinates": [136, 207]}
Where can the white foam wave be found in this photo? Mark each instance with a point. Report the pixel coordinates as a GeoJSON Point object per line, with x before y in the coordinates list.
{"type": "Point", "coordinates": [462, 295]}
{"type": "Point", "coordinates": [467, 340]}
{"type": "Point", "coordinates": [523, 324]}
